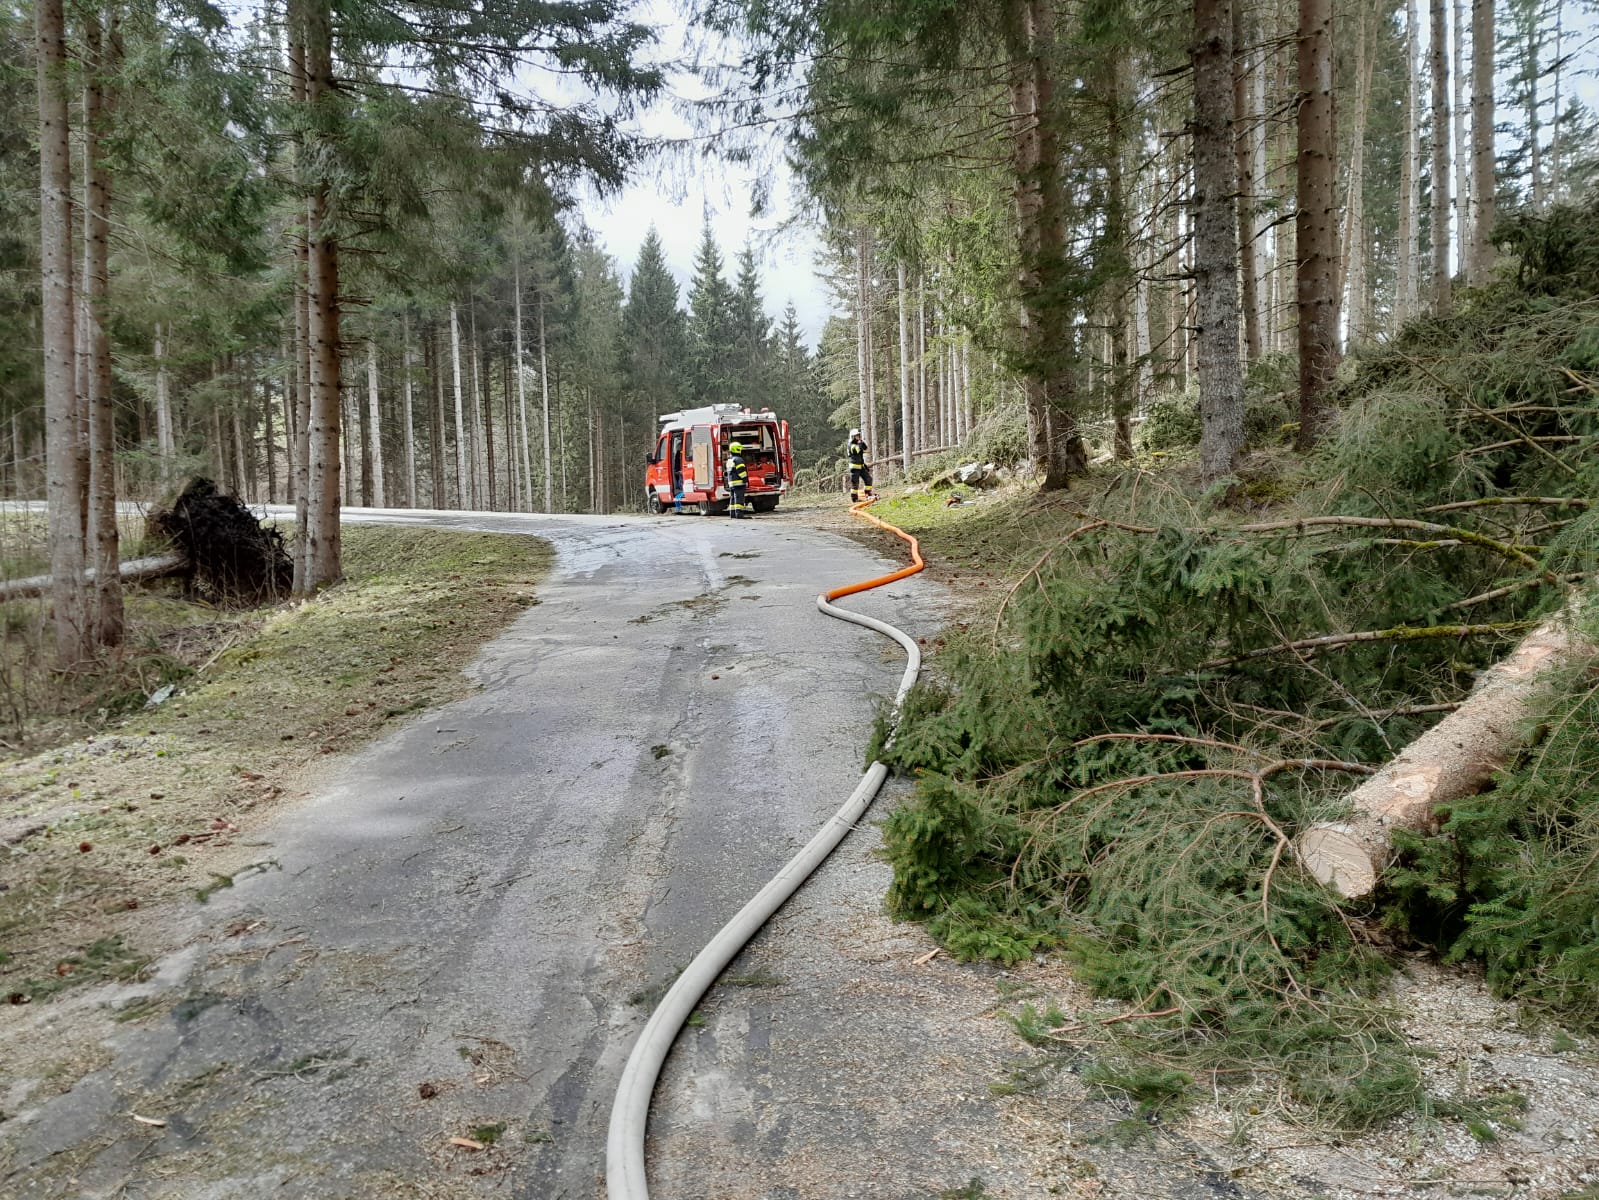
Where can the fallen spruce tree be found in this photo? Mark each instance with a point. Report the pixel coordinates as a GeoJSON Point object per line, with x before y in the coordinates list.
{"type": "Point", "coordinates": [1128, 762]}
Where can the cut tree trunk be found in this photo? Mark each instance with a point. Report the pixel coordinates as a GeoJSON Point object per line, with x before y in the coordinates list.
{"type": "Point", "coordinates": [1455, 758]}
{"type": "Point", "coordinates": [135, 570]}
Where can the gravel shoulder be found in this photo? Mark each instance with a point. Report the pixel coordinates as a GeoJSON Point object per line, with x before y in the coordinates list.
{"type": "Point", "coordinates": [837, 1059]}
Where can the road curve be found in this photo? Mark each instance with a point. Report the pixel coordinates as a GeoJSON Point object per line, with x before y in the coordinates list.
{"type": "Point", "coordinates": [486, 901]}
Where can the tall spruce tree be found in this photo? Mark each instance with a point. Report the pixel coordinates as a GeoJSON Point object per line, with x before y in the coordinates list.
{"type": "Point", "coordinates": [752, 340]}
{"type": "Point", "coordinates": [712, 334]}
{"type": "Point", "coordinates": [654, 337]}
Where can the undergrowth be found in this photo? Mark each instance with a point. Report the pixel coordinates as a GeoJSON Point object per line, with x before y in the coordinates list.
{"type": "Point", "coordinates": [1116, 763]}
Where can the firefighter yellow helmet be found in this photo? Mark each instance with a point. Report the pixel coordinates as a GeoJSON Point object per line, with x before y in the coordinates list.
{"type": "Point", "coordinates": [737, 447]}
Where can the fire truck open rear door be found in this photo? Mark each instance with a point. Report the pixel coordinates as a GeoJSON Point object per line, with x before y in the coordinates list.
{"type": "Point", "coordinates": [704, 461]}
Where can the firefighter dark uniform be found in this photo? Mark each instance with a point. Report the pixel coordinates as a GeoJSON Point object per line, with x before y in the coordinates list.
{"type": "Point", "coordinates": [860, 475]}
{"type": "Point", "coordinates": [738, 478]}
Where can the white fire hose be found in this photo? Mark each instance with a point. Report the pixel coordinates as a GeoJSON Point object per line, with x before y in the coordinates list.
{"type": "Point", "coordinates": [625, 1177]}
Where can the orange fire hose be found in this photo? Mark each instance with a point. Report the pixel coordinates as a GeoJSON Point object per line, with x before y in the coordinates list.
{"type": "Point", "coordinates": [867, 585]}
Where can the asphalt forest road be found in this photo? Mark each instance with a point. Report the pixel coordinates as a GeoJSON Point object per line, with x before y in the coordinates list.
{"type": "Point", "coordinates": [486, 901]}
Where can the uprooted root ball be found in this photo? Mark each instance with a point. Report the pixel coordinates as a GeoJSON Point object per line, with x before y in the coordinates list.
{"type": "Point", "coordinates": [230, 554]}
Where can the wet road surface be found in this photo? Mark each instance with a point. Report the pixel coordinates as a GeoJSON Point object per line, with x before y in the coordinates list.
{"type": "Point", "coordinates": [486, 901]}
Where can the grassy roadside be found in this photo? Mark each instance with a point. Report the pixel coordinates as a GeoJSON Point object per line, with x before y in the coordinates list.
{"type": "Point", "coordinates": [96, 831]}
{"type": "Point", "coordinates": [978, 548]}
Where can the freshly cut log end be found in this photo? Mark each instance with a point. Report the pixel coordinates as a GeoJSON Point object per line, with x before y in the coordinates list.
{"type": "Point", "coordinates": [1338, 860]}
{"type": "Point", "coordinates": [1456, 757]}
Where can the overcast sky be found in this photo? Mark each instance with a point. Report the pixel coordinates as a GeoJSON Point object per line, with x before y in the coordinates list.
{"type": "Point", "coordinates": [677, 193]}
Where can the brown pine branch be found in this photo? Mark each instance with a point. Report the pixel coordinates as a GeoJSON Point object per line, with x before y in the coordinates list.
{"type": "Point", "coordinates": [1515, 552]}
{"type": "Point", "coordinates": [1551, 501]}
{"type": "Point", "coordinates": [1494, 594]}
{"type": "Point", "coordinates": [1400, 633]}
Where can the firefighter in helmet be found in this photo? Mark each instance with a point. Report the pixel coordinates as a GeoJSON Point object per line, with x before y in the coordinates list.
{"type": "Point", "coordinates": [860, 475]}
{"type": "Point", "coordinates": [738, 478]}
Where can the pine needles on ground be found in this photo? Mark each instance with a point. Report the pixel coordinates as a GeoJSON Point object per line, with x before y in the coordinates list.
{"type": "Point", "coordinates": [1117, 767]}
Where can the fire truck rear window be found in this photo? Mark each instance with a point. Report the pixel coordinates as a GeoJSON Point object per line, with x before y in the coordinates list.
{"type": "Point", "coordinates": [758, 437]}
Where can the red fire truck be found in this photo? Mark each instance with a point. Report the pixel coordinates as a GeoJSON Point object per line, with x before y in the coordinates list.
{"type": "Point", "coordinates": [686, 467]}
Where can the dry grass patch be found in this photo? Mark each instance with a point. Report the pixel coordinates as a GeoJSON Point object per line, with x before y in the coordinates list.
{"type": "Point", "coordinates": [93, 832]}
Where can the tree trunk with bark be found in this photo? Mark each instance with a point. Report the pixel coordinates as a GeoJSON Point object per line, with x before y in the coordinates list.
{"type": "Point", "coordinates": [544, 389]}
{"type": "Point", "coordinates": [1048, 331]}
{"type": "Point", "coordinates": [63, 485]}
{"type": "Point", "coordinates": [441, 488]}
{"type": "Point", "coordinates": [374, 433]}
{"type": "Point", "coordinates": [324, 552]}
{"type": "Point", "coordinates": [1442, 286]}
{"type": "Point", "coordinates": [521, 395]}
{"type": "Point", "coordinates": [1118, 235]}
{"type": "Point", "coordinates": [1554, 127]}
{"type": "Point", "coordinates": [1221, 388]}
{"type": "Point", "coordinates": [1465, 205]}
{"type": "Point", "coordinates": [1285, 311]}
{"type": "Point", "coordinates": [407, 414]}
{"type": "Point", "coordinates": [921, 361]}
{"type": "Point", "coordinates": [1354, 239]}
{"type": "Point", "coordinates": [861, 360]}
{"type": "Point", "coordinates": [904, 368]}
{"type": "Point", "coordinates": [1316, 223]}
{"type": "Point", "coordinates": [1246, 128]}
{"type": "Point", "coordinates": [1406, 262]}
{"type": "Point", "coordinates": [1483, 184]}
{"type": "Point", "coordinates": [462, 475]}
{"type": "Point", "coordinates": [107, 623]}
{"type": "Point", "coordinates": [301, 295]}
